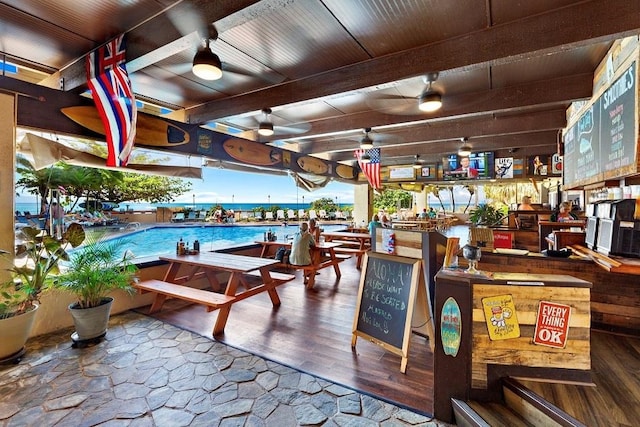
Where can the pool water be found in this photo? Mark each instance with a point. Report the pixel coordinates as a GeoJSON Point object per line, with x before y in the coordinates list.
{"type": "Point", "coordinates": [156, 241]}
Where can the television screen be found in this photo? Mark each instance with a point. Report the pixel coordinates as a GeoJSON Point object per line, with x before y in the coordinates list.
{"type": "Point", "coordinates": [475, 166]}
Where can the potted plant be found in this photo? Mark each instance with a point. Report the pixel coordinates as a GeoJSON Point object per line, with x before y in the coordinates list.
{"type": "Point", "coordinates": [37, 259]}
{"type": "Point", "coordinates": [94, 271]}
{"type": "Point", "coordinates": [486, 215]}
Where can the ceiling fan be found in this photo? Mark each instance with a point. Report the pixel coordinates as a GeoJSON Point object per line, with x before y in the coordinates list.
{"type": "Point", "coordinates": [206, 63]}
{"type": "Point", "coordinates": [266, 124]}
{"type": "Point", "coordinates": [372, 138]}
{"type": "Point", "coordinates": [428, 101]}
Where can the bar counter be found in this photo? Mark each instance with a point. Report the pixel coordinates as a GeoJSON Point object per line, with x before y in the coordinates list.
{"type": "Point", "coordinates": [615, 295]}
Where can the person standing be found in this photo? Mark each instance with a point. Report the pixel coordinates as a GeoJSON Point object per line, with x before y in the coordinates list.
{"type": "Point", "coordinates": [314, 230]}
{"type": "Point", "coordinates": [375, 222]}
{"type": "Point", "coordinates": [303, 241]}
{"type": "Point", "coordinates": [57, 216]}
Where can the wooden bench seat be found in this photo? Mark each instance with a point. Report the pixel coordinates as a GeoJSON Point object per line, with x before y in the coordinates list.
{"type": "Point", "coordinates": [162, 289]}
{"type": "Point", "coordinates": [341, 250]}
{"type": "Point", "coordinates": [278, 278]}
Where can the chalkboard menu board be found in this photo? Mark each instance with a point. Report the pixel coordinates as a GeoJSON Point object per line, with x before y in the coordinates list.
{"type": "Point", "coordinates": [602, 143]}
{"type": "Point", "coordinates": [386, 300]}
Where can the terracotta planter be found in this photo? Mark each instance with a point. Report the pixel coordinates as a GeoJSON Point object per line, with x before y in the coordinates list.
{"type": "Point", "coordinates": [91, 322]}
{"type": "Point", "coordinates": [14, 333]}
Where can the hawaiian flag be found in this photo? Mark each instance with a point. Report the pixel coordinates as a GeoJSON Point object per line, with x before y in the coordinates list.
{"type": "Point", "coordinates": [111, 90]}
{"type": "Point", "coordinates": [371, 169]}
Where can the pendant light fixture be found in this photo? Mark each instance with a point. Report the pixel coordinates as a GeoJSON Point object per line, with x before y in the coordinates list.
{"type": "Point", "coordinates": [366, 143]}
{"type": "Point", "coordinates": [206, 64]}
{"type": "Point", "coordinates": [465, 148]}
{"type": "Point", "coordinates": [417, 164]}
{"type": "Point", "coordinates": [266, 126]}
{"type": "Point", "coordinates": [430, 100]}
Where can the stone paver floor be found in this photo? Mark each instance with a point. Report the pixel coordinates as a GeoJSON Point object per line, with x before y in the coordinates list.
{"type": "Point", "coordinates": [149, 373]}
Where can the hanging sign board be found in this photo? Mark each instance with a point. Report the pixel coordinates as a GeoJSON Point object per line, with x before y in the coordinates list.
{"type": "Point", "coordinates": [386, 299]}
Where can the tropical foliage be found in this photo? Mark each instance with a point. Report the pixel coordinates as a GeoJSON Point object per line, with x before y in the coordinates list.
{"type": "Point", "coordinates": [98, 269]}
{"type": "Point", "coordinates": [39, 256]}
{"type": "Point", "coordinates": [389, 200]}
{"type": "Point", "coordinates": [97, 184]}
{"type": "Point", "coordinates": [487, 215]}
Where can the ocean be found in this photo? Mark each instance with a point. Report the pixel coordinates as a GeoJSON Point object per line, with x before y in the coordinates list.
{"type": "Point", "coordinates": [237, 207]}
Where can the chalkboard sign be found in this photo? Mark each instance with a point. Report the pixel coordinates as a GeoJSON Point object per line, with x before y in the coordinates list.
{"type": "Point", "coordinates": [386, 299]}
{"type": "Point", "coordinates": [602, 143]}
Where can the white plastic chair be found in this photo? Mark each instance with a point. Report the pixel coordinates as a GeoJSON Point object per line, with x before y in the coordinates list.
{"type": "Point", "coordinates": [291, 214]}
{"type": "Point", "coordinates": [268, 216]}
{"type": "Point", "coordinates": [280, 214]}
{"type": "Point", "coordinates": [312, 214]}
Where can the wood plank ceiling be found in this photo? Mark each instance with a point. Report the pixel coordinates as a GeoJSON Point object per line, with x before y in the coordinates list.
{"type": "Point", "coordinates": [508, 69]}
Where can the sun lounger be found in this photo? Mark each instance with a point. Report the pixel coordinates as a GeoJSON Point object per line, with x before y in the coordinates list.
{"type": "Point", "coordinates": [178, 217]}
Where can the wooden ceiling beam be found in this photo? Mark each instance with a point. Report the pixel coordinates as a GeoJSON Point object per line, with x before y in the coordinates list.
{"type": "Point", "coordinates": [559, 29]}
{"type": "Point", "coordinates": [538, 142]}
{"type": "Point", "coordinates": [158, 38]}
{"type": "Point", "coordinates": [453, 130]}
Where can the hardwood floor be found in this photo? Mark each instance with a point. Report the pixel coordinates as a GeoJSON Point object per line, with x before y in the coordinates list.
{"type": "Point", "coordinates": [311, 331]}
{"type": "Point", "coordinates": [615, 400]}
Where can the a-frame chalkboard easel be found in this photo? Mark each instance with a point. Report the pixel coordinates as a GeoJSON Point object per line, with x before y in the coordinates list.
{"type": "Point", "coordinates": [391, 288]}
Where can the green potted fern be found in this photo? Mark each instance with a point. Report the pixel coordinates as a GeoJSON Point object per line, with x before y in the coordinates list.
{"type": "Point", "coordinates": [486, 215]}
{"type": "Point", "coordinates": [37, 261]}
{"type": "Point", "coordinates": [94, 271]}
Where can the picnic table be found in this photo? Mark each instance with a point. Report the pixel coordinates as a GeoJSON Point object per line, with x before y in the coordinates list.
{"type": "Point", "coordinates": [323, 255]}
{"type": "Point", "coordinates": [242, 269]}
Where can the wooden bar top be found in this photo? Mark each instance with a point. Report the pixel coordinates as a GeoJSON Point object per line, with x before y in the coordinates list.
{"type": "Point", "coordinates": [515, 279]}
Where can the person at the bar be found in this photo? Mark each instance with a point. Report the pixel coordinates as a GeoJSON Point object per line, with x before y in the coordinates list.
{"type": "Point", "coordinates": [564, 213]}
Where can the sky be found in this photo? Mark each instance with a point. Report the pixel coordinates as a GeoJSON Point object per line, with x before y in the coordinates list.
{"type": "Point", "coordinates": [227, 186]}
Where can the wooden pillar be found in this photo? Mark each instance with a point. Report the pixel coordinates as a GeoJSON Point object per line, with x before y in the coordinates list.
{"type": "Point", "coordinates": [362, 204]}
{"type": "Point", "coordinates": [7, 175]}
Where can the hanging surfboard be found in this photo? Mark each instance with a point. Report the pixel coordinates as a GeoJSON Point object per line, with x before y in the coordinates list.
{"type": "Point", "coordinates": [345, 171]}
{"type": "Point", "coordinates": [251, 152]}
{"type": "Point", "coordinates": [150, 131]}
{"type": "Point", "coordinates": [313, 165]}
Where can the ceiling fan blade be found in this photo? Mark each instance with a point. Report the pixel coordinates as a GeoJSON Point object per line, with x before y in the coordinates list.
{"type": "Point", "coordinates": [292, 129]}
{"type": "Point", "coordinates": [186, 19]}
{"type": "Point", "coordinates": [394, 104]}
{"type": "Point", "coordinates": [266, 75]}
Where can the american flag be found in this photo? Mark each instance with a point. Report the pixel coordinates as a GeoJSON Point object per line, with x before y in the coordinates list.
{"type": "Point", "coordinates": [111, 89]}
{"type": "Point", "coordinates": [371, 169]}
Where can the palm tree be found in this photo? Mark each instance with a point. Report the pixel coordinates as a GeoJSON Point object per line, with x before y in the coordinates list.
{"type": "Point", "coordinates": [37, 182]}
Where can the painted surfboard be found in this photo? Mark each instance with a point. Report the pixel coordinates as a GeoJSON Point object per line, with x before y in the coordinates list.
{"type": "Point", "coordinates": [251, 152]}
{"type": "Point", "coordinates": [150, 131]}
{"type": "Point", "coordinates": [313, 165]}
{"type": "Point", "coordinates": [345, 171]}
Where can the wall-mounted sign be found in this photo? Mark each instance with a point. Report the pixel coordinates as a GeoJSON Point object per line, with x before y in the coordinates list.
{"type": "Point", "coordinates": [504, 167]}
{"type": "Point", "coordinates": [601, 144]}
{"type": "Point", "coordinates": [552, 324]}
{"type": "Point", "coordinates": [500, 315]}
{"type": "Point", "coordinates": [451, 327]}
{"type": "Point", "coordinates": [405, 173]}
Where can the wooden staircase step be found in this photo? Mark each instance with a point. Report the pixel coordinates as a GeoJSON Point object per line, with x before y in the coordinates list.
{"type": "Point", "coordinates": [498, 415]}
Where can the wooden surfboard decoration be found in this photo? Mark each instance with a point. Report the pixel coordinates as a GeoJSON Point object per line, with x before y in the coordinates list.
{"type": "Point", "coordinates": [345, 171]}
{"type": "Point", "coordinates": [252, 152]}
{"type": "Point", "coordinates": [150, 131]}
{"type": "Point", "coordinates": [313, 165]}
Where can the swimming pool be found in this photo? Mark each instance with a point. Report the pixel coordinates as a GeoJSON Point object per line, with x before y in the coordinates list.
{"type": "Point", "coordinates": [155, 241]}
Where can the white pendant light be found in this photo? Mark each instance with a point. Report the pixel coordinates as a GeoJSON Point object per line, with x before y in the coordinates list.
{"type": "Point", "coordinates": [206, 64]}
{"type": "Point", "coordinates": [465, 148]}
{"type": "Point", "coordinates": [266, 126]}
{"type": "Point", "coordinates": [430, 100]}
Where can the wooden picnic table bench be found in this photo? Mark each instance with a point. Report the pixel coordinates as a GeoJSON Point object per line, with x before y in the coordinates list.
{"type": "Point", "coordinates": [243, 270]}
{"type": "Point", "coordinates": [323, 255]}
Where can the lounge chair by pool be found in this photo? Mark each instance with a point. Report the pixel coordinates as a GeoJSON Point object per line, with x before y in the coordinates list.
{"type": "Point", "coordinates": [178, 217]}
